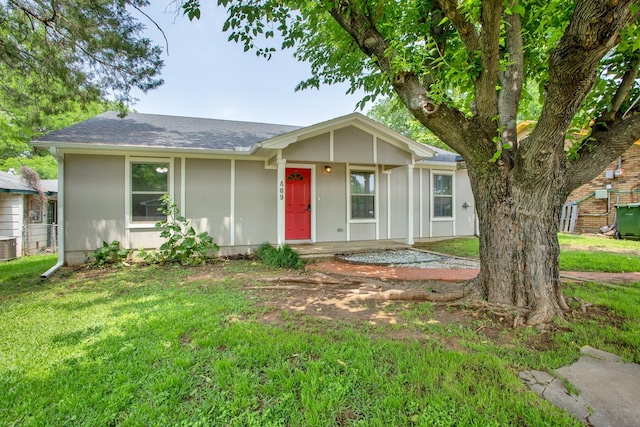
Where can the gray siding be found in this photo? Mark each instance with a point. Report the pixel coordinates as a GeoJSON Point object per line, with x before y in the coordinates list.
{"type": "Point", "coordinates": [391, 155]}
{"type": "Point", "coordinates": [255, 203]}
{"type": "Point", "coordinates": [145, 238]}
{"type": "Point", "coordinates": [426, 202]}
{"type": "Point", "coordinates": [352, 145]}
{"type": "Point", "coordinates": [398, 201]}
{"type": "Point", "coordinates": [208, 197]}
{"type": "Point", "coordinates": [442, 229]}
{"type": "Point", "coordinates": [383, 213]}
{"type": "Point", "coordinates": [416, 202]}
{"type": "Point", "coordinates": [331, 204]}
{"type": "Point", "coordinates": [465, 218]}
{"type": "Point", "coordinates": [94, 201]}
{"type": "Point", "coordinates": [312, 149]}
{"type": "Point", "coordinates": [177, 173]}
{"type": "Point", "coordinates": [366, 231]}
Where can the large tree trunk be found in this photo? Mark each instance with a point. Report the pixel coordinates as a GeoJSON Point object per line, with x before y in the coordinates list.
{"type": "Point", "coordinates": [519, 248]}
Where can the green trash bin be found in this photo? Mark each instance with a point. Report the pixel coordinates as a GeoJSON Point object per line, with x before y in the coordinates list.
{"type": "Point", "coordinates": [628, 217]}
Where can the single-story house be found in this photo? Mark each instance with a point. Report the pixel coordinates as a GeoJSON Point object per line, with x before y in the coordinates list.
{"type": "Point", "coordinates": [342, 180]}
{"type": "Point", "coordinates": [27, 223]}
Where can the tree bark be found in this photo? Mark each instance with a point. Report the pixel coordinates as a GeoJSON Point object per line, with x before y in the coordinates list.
{"type": "Point", "coordinates": [518, 242]}
{"type": "Point", "coordinates": [520, 191]}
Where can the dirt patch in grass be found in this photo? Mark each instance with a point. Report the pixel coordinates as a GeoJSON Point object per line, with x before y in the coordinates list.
{"type": "Point", "coordinates": [302, 300]}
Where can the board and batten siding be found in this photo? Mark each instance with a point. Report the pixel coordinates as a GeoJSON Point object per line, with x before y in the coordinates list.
{"type": "Point", "coordinates": [255, 211]}
{"type": "Point", "coordinates": [208, 195]}
{"type": "Point", "coordinates": [346, 145]}
{"type": "Point", "coordinates": [465, 218]}
{"type": "Point", "coordinates": [94, 203]}
{"type": "Point", "coordinates": [331, 204]}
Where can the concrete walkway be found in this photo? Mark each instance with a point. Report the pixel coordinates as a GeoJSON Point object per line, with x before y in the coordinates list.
{"type": "Point", "coordinates": [608, 389]}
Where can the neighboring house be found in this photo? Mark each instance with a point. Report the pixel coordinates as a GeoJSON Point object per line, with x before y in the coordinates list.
{"type": "Point", "coordinates": [618, 184]}
{"type": "Point", "coordinates": [25, 217]}
{"type": "Point", "coordinates": [346, 179]}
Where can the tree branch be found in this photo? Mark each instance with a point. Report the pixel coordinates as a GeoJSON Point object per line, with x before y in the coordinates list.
{"type": "Point", "coordinates": [573, 65]}
{"type": "Point", "coordinates": [449, 124]}
{"type": "Point", "coordinates": [468, 33]}
{"type": "Point", "coordinates": [594, 29]}
{"type": "Point", "coordinates": [486, 95]}
{"type": "Point", "coordinates": [164, 36]}
{"type": "Point", "coordinates": [601, 148]}
{"type": "Point", "coordinates": [628, 80]}
{"type": "Point", "coordinates": [511, 79]}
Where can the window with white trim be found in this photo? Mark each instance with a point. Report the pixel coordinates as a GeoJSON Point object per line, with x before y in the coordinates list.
{"type": "Point", "coordinates": [442, 195]}
{"type": "Point", "coordinates": [363, 194]}
{"type": "Point", "coordinates": [149, 182]}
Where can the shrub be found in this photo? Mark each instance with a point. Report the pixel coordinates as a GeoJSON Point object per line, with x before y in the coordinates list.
{"type": "Point", "coordinates": [282, 257]}
{"type": "Point", "coordinates": [183, 245]}
{"type": "Point", "coordinates": [109, 253]}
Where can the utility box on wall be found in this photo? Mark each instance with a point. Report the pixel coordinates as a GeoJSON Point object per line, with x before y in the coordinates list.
{"type": "Point", "coordinates": [602, 194]}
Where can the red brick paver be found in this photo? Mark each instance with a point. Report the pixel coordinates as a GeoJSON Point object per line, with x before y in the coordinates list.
{"type": "Point", "coordinates": [398, 273]}
{"type": "Point", "coordinates": [450, 274]}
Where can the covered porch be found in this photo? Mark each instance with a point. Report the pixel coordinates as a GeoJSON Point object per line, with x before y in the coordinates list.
{"type": "Point", "coordinates": [329, 249]}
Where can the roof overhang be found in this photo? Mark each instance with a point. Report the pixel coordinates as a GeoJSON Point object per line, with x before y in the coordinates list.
{"type": "Point", "coordinates": [79, 146]}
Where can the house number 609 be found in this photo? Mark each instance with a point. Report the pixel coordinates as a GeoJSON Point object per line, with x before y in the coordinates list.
{"type": "Point", "coordinates": [281, 190]}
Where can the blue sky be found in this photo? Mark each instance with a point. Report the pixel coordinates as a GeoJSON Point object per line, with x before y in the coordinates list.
{"type": "Point", "coordinates": [207, 76]}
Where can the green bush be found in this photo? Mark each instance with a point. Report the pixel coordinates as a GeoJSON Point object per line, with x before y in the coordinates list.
{"type": "Point", "coordinates": [282, 257]}
{"type": "Point", "coordinates": [109, 253]}
{"type": "Point", "coordinates": [183, 245]}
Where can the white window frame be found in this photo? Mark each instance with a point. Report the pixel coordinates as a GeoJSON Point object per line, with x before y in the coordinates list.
{"type": "Point", "coordinates": [129, 190]}
{"type": "Point", "coordinates": [433, 196]}
{"type": "Point", "coordinates": [376, 195]}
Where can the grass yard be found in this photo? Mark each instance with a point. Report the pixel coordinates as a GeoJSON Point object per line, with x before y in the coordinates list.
{"type": "Point", "coordinates": [577, 253]}
{"type": "Point", "coordinates": [205, 346]}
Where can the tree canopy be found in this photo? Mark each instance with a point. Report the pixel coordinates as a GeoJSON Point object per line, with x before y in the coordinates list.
{"type": "Point", "coordinates": [58, 51]}
{"type": "Point", "coordinates": [465, 69]}
{"type": "Point", "coordinates": [60, 61]}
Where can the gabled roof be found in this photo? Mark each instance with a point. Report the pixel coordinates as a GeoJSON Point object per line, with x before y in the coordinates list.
{"type": "Point", "coordinates": [10, 183]}
{"type": "Point", "coordinates": [158, 131]}
{"type": "Point", "coordinates": [149, 131]}
{"type": "Point", "coordinates": [354, 119]}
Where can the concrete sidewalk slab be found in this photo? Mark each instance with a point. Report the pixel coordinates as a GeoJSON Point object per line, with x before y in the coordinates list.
{"type": "Point", "coordinates": [608, 389]}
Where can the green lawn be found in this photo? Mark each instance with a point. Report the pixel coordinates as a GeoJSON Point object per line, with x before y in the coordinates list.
{"type": "Point", "coordinates": [186, 347]}
{"type": "Point", "coordinates": [577, 253]}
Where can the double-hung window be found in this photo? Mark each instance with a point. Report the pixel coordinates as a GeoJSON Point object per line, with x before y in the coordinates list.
{"type": "Point", "coordinates": [149, 182]}
{"type": "Point", "coordinates": [442, 195]}
{"type": "Point", "coordinates": [363, 193]}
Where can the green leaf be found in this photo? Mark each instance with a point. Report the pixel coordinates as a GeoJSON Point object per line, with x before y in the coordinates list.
{"type": "Point", "coordinates": [519, 9]}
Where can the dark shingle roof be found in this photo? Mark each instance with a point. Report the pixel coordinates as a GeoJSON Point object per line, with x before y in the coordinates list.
{"type": "Point", "coordinates": [149, 130]}
{"type": "Point", "coordinates": [10, 183]}
{"type": "Point", "coordinates": [443, 155]}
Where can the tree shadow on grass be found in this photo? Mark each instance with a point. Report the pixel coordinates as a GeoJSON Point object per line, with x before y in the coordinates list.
{"type": "Point", "coordinates": [167, 353]}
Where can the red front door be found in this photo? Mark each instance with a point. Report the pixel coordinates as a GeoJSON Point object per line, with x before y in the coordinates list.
{"type": "Point", "coordinates": [297, 204]}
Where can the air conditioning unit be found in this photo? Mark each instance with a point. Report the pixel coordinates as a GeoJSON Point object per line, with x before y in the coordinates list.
{"type": "Point", "coordinates": [7, 248]}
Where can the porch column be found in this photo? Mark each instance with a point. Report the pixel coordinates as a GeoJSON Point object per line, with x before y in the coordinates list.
{"type": "Point", "coordinates": [282, 163]}
{"type": "Point", "coordinates": [409, 239]}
